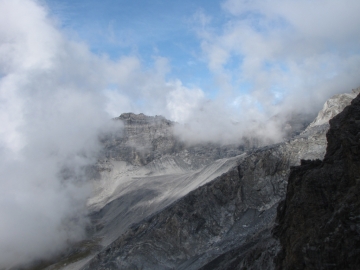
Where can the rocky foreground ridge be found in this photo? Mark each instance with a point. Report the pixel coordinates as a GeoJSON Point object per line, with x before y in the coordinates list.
{"type": "Point", "coordinates": [160, 204]}
{"type": "Point", "coordinates": [319, 221]}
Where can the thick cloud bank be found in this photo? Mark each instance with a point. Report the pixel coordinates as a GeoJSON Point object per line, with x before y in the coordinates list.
{"type": "Point", "coordinates": [51, 117]}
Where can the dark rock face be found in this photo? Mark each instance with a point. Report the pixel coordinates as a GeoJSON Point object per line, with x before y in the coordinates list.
{"type": "Point", "coordinates": [319, 221]}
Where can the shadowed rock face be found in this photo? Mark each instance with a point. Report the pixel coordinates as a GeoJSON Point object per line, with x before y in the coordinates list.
{"type": "Point", "coordinates": [319, 221]}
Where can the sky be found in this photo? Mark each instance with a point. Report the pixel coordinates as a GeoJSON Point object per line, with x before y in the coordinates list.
{"type": "Point", "coordinates": [237, 55]}
{"type": "Point", "coordinates": [146, 29]}
{"type": "Point", "coordinates": [221, 69]}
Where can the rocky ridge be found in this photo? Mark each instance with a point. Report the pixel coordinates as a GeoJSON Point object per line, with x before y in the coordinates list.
{"type": "Point", "coordinates": [318, 222]}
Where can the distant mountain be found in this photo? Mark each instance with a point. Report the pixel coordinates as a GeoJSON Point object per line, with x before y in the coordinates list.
{"type": "Point", "coordinates": [162, 204]}
{"type": "Point", "coordinates": [149, 138]}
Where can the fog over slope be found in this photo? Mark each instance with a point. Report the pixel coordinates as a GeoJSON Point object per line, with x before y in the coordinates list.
{"type": "Point", "coordinates": [57, 99]}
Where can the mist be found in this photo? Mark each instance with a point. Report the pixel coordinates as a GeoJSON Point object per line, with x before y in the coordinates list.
{"type": "Point", "coordinates": [57, 98]}
{"type": "Point", "coordinates": [52, 116]}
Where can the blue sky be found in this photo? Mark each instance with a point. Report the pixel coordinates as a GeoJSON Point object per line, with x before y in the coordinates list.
{"type": "Point", "coordinates": [143, 28]}
{"type": "Point", "coordinates": [232, 49]}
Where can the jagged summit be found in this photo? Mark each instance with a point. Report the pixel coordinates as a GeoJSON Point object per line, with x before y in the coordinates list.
{"type": "Point", "coordinates": [148, 138]}
{"type": "Point", "coordinates": [142, 118]}
{"type": "Point", "coordinates": [334, 106]}
{"type": "Point", "coordinates": [144, 138]}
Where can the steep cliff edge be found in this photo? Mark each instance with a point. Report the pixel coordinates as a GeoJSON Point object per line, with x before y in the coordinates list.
{"type": "Point", "coordinates": [319, 221]}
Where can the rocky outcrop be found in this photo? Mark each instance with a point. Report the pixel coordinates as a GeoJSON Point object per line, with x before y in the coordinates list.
{"type": "Point", "coordinates": [319, 221]}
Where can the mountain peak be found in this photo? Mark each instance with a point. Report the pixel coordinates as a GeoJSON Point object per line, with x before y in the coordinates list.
{"type": "Point", "coordinates": [130, 117]}
{"type": "Point", "coordinates": [334, 106]}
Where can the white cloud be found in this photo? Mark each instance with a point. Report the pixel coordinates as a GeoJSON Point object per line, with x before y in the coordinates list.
{"type": "Point", "coordinates": [306, 50]}
{"type": "Point", "coordinates": [273, 58]}
{"type": "Point", "coordinates": [334, 20]}
{"type": "Point", "coordinates": [51, 115]}
{"type": "Point", "coordinates": [182, 102]}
